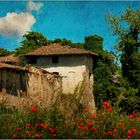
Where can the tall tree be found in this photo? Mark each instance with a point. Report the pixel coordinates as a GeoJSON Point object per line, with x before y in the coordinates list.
{"type": "Point", "coordinates": [4, 52]}
{"type": "Point", "coordinates": [94, 43]}
{"type": "Point", "coordinates": [127, 28]}
{"type": "Point", "coordinates": [31, 41]}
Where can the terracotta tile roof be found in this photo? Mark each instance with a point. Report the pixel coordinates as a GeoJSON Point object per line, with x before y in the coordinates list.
{"type": "Point", "coordinates": [9, 58]}
{"type": "Point", "coordinates": [57, 49]}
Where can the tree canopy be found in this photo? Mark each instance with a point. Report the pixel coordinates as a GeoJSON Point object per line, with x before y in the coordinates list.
{"type": "Point", "coordinates": [127, 29]}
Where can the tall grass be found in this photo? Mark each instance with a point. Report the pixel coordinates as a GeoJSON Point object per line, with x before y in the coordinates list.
{"type": "Point", "coordinates": [34, 121]}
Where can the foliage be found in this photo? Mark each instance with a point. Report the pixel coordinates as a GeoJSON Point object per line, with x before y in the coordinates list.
{"type": "Point", "coordinates": [33, 121]}
{"type": "Point", "coordinates": [31, 41]}
{"type": "Point", "coordinates": [94, 43]}
{"type": "Point", "coordinates": [127, 28]}
{"type": "Point", "coordinates": [4, 52]}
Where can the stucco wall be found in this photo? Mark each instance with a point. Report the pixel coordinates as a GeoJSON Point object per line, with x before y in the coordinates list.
{"type": "Point", "coordinates": [70, 68]}
{"type": "Point", "coordinates": [31, 82]}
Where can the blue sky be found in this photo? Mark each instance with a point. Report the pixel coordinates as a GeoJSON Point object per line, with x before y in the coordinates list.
{"type": "Point", "coordinates": [72, 20]}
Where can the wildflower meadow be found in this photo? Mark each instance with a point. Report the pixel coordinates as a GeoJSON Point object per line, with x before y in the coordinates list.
{"type": "Point", "coordinates": [34, 121]}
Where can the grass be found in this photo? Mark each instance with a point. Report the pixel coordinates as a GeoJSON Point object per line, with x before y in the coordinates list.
{"type": "Point", "coordinates": [34, 121]}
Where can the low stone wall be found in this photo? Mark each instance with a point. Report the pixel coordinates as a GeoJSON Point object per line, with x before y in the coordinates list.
{"type": "Point", "coordinates": [29, 81]}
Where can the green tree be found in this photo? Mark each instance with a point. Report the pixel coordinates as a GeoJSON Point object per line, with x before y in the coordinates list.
{"type": "Point", "coordinates": [31, 41]}
{"type": "Point", "coordinates": [4, 52]}
{"type": "Point", "coordinates": [127, 29]}
{"type": "Point", "coordinates": [105, 87]}
{"type": "Point", "coordinates": [94, 43]}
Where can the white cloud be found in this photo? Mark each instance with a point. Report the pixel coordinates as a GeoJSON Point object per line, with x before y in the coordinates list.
{"type": "Point", "coordinates": [15, 25]}
{"type": "Point", "coordinates": [32, 6]}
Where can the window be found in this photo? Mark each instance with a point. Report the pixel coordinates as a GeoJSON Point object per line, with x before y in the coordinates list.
{"type": "Point", "coordinates": [57, 73]}
{"type": "Point", "coordinates": [55, 59]}
{"type": "Point", "coordinates": [32, 60]}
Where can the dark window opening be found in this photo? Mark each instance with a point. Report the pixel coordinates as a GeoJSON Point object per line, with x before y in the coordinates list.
{"type": "Point", "coordinates": [57, 73]}
{"type": "Point", "coordinates": [55, 59]}
{"type": "Point", "coordinates": [32, 60]}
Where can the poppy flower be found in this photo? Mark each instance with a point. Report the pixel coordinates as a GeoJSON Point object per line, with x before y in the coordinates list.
{"type": "Point", "coordinates": [123, 126]}
{"type": "Point", "coordinates": [109, 133]}
{"type": "Point", "coordinates": [79, 127]}
{"type": "Point", "coordinates": [134, 130]}
{"type": "Point", "coordinates": [109, 110]}
{"type": "Point", "coordinates": [106, 104]}
{"type": "Point", "coordinates": [43, 125]}
{"type": "Point", "coordinates": [131, 116]}
{"type": "Point", "coordinates": [94, 129]}
{"type": "Point", "coordinates": [129, 132]}
{"type": "Point", "coordinates": [28, 125]}
{"type": "Point", "coordinates": [51, 129]}
{"type": "Point", "coordinates": [89, 123]}
{"type": "Point", "coordinates": [115, 130]}
{"type": "Point", "coordinates": [14, 136]}
{"type": "Point", "coordinates": [54, 135]}
{"type": "Point", "coordinates": [34, 109]}
{"type": "Point", "coordinates": [18, 129]}
{"type": "Point", "coordinates": [138, 119]}
{"type": "Point", "coordinates": [129, 137]}
{"type": "Point", "coordinates": [28, 133]}
{"type": "Point", "coordinates": [36, 124]}
{"type": "Point", "coordinates": [37, 136]}
{"type": "Point", "coordinates": [92, 116]}
{"type": "Point", "coordinates": [75, 119]}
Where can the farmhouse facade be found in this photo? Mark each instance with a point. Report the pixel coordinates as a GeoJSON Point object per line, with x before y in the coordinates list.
{"type": "Point", "coordinates": [74, 65]}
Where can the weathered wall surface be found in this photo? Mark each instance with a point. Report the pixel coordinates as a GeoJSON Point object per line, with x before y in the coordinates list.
{"type": "Point", "coordinates": [30, 81]}
{"type": "Point", "coordinates": [70, 68]}
{"type": "Point", "coordinates": [73, 69]}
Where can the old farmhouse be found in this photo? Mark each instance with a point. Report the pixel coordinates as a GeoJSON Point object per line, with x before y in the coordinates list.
{"type": "Point", "coordinates": [74, 65]}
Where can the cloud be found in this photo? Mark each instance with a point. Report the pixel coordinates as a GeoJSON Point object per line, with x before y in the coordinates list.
{"type": "Point", "coordinates": [15, 25]}
{"type": "Point", "coordinates": [32, 6]}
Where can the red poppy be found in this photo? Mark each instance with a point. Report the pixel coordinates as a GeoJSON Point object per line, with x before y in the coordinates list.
{"type": "Point", "coordinates": [81, 124]}
{"type": "Point", "coordinates": [79, 127]}
{"type": "Point", "coordinates": [14, 136]}
{"type": "Point", "coordinates": [75, 119]}
{"type": "Point", "coordinates": [28, 125]}
{"type": "Point", "coordinates": [129, 137]}
{"type": "Point", "coordinates": [109, 133]}
{"type": "Point", "coordinates": [138, 119]}
{"type": "Point", "coordinates": [123, 126]}
{"type": "Point", "coordinates": [54, 135]}
{"type": "Point", "coordinates": [131, 116]}
{"type": "Point", "coordinates": [68, 124]}
{"type": "Point", "coordinates": [50, 128]}
{"type": "Point", "coordinates": [37, 136]}
{"type": "Point", "coordinates": [28, 133]}
{"type": "Point", "coordinates": [20, 103]}
{"type": "Point", "coordinates": [109, 110]}
{"type": "Point", "coordinates": [18, 129]}
{"type": "Point", "coordinates": [89, 123]}
{"type": "Point", "coordinates": [92, 116]}
{"type": "Point", "coordinates": [134, 130]}
{"type": "Point", "coordinates": [34, 109]}
{"type": "Point", "coordinates": [103, 106]}
{"type": "Point", "coordinates": [129, 132]}
{"type": "Point", "coordinates": [43, 125]}
{"type": "Point", "coordinates": [94, 129]}
{"type": "Point", "coordinates": [86, 128]}
{"type": "Point", "coordinates": [36, 124]}
{"type": "Point", "coordinates": [115, 130]}
{"type": "Point", "coordinates": [106, 104]}
{"type": "Point", "coordinates": [87, 110]}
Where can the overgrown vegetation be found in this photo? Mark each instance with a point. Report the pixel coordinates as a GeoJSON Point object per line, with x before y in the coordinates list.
{"type": "Point", "coordinates": [33, 121]}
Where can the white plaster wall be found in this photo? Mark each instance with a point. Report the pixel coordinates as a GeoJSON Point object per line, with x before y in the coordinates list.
{"type": "Point", "coordinates": [71, 68]}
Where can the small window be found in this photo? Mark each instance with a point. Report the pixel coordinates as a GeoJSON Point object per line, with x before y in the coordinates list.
{"type": "Point", "coordinates": [56, 73]}
{"type": "Point", "coordinates": [55, 59]}
{"type": "Point", "coordinates": [32, 60]}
